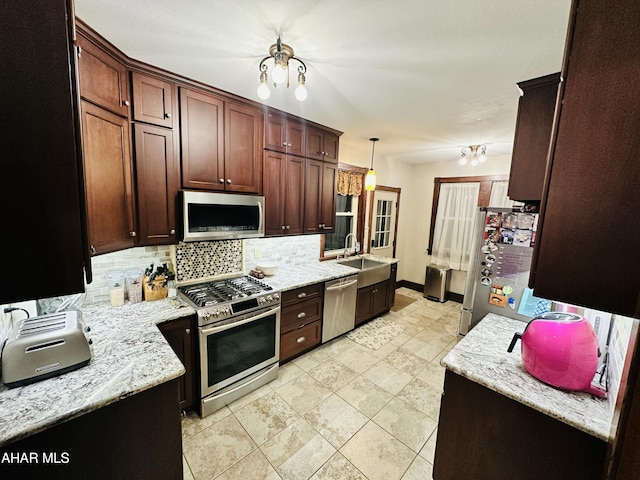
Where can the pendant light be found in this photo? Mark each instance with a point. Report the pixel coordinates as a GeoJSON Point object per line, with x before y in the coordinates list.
{"type": "Point", "coordinates": [370, 179]}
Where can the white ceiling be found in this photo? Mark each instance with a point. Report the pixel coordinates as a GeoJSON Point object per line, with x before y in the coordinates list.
{"type": "Point", "coordinates": [426, 76]}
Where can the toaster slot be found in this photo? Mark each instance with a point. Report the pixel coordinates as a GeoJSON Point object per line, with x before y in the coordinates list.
{"type": "Point", "coordinates": [41, 346]}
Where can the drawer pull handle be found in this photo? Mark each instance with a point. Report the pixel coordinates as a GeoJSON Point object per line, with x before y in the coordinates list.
{"type": "Point", "coordinates": [302, 315]}
{"type": "Point", "coordinates": [301, 340]}
{"type": "Point", "coordinates": [302, 295]}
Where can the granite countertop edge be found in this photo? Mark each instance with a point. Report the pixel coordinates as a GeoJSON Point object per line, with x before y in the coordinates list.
{"type": "Point", "coordinates": [482, 357]}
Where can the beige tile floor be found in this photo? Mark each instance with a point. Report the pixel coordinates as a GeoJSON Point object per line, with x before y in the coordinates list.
{"type": "Point", "coordinates": [341, 411]}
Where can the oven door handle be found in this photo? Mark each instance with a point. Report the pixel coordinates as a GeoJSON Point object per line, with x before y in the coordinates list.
{"type": "Point", "coordinates": [250, 318]}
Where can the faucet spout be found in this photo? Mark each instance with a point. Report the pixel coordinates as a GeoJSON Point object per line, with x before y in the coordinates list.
{"type": "Point", "coordinates": [346, 243]}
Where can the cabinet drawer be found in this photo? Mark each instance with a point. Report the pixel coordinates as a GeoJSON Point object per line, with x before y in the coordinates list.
{"type": "Point", "coordinates": [300, 313]}
{"type": "Point", "coordinates": [302, 293]}
{"type": "Point", "coordinates": [300, 340]}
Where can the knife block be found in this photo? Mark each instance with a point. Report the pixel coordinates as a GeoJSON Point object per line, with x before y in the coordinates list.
{"type": "Point", "coordinates": [154, 290]}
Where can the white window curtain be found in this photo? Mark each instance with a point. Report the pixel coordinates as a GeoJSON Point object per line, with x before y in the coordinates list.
{"type": "Point", "coordinates": [499, 196]}
{"type": "Point", "coordinates": [453, 233]}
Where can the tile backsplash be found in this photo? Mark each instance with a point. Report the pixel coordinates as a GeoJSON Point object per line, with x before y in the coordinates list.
{"type": "Point", "coordinates": [196, 260]}
{"type": "Point", "coordinates": [295, 250]}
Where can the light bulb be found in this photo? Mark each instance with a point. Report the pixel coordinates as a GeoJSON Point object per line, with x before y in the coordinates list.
{"type": "Point", "coordinates": [301, 92]}
{"type": "Point", "coordinates": [370, 180]}
{"type": "Point", "coordinates": [481, 158]}
{"type": "Point", "coordinates": [263, 91]}
{"type": "Point", "coordinates": [463, 161]}
{"type": "Point", "coordinates": [279, 74]}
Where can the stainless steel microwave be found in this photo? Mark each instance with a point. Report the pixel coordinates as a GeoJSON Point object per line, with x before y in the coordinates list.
{"type": "Point", "coordinates": [220, 216]}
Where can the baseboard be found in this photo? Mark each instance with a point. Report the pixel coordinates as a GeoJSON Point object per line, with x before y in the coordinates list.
{"type": "Point", "coordinates": [418, 287]}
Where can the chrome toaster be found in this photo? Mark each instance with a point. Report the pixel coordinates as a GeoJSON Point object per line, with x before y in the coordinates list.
{"type": "Point", "coordinates": [44, 346]}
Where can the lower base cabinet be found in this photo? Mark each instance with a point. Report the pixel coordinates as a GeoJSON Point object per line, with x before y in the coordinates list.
{"type": "Point", "coordinates": [484, 435]}
{"type": "Point", "coordinates": [371, 301]}
{"type": "Point", "coordinates": [181, 335]}
{"type": "Point", "coordinates": [139, 437]}
{"type": "Point", "coordinates": [301, 320]}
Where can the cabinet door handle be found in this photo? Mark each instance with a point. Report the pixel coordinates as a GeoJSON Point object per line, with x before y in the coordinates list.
{"type": "Point", "coordinates": [288, 144]}
{"type": "Point", "coordinates": [167, 115]}
{"type": "Point", "coordinates": [229, 181]}
{"type": "Point", "coordinates": [300, 340]}
{"type": "Point", "coordinates": [172, 232]}
{"type": "Point", "coordinates": [302, 295]}
{"type": "Point", "coordinates": [92, 249]}
{"type": "Point", "coordinates": [187, 331]}
{"type": "Point", "coordinates": [288, 227]}
{"type": "Point", "coordinates": [283, 227]}
{"type": "Point", "coordinates": [126, 103]}
{"type": "Point", "coordinates": [302, 315]}
{"type": "Point", "coordinates": [221, 180]}
{"type": "Point", "coordinates": [284, 144]}
{"type": "Point", "coordinates": [132, 234]}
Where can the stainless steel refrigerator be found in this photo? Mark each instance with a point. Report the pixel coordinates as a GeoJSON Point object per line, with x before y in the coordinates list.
{"type": "Point", "coordinates": [499, 267]}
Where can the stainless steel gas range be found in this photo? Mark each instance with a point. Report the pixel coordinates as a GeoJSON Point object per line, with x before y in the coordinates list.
{"type": "Point", "coordinates": [239, 337]}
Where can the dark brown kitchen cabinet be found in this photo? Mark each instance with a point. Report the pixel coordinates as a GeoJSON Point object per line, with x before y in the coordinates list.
{"type": "Point", "coordinates": [43, 216]}
{"type": "Point", "coordinates": [322, 144]}
{"type": "Point", "coordinates": [157, 184]}
{"type": "Point", "coordinates": [202, 140]}
{"type": "Point", "coordinates": [283, 188]}
{"type": "Point", "coordinates": [532, 137]}
{"type": "Point", "coordinates": [484, 439]}
{"type": "Point", "coordinates": [284, 134]}
{"type": "Point", "coordinates": [586, 249]}
{"type": "Point", "coordinates": [103, 77]}
{"type": "Point", "coordinates": [391, 294]}
{"type": "Point", "coordinates": [301, 320]}
{"type": "Point", "coordinates": [242, 148]}
{"type": "Point", "coordinates": [372, 301]}
{"type": "Point", "coordinates": [152, 100]}
{"type": "Point", "coordinates": [108, 179]}
{"type": "Point", "coordinates": [320, 196]}
{"type": "Point", "coordinates": [181, 334]}
{"type": "Point", "coordinates": [221, 144]}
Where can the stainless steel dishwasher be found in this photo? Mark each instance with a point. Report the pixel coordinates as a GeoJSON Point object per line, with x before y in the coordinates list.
{"type": "Point", "coordinates": [339, 307]}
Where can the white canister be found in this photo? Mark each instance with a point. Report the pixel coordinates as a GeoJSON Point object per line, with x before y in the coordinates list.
{"type": "Point", "coordinates": [116, 288]}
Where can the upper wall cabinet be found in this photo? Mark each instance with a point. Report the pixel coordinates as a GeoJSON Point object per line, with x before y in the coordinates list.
{"type": "Point", "coordinates": [283, 184]}
{"type": "Point", "coordinates": [586, 250]}
{"type": "Point", "coordinates": [322, 144]}
{"type": "Point", "coordinates": [152, 100]}
{"type": "Point", "coordinates": [284, 134]}
{"type": "Point", "coordinates": [320, 196]}
{"type": "Point", "coordinates": [532, 137]}
{"type": "Point", "coordinates": [42, 219]}
{"type": "Point", "coordinates": [103, 78]}
{"type": "Point", "coordinates": [221, 143]}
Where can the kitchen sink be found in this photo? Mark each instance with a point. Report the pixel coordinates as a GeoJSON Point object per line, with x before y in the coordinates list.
{"type": "Point", "coordinates": [370, 271]}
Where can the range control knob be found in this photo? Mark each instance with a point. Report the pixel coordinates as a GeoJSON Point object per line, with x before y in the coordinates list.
{"type": "Point", "coordinates": [206, 315]}
{"type": "Point", "coordinates": [276, 296]}
{"type": "Point", "coordinates": [269, 298]}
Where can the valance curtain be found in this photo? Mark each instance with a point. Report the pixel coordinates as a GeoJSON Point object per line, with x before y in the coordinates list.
{"type": "Point", "coordinates": [453, 232]}
{"type": "Point", "coordinates": [349, 183]}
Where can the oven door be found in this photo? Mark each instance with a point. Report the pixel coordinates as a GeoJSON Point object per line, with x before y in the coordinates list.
{"type": "Point", "coordinates": [230, 352]}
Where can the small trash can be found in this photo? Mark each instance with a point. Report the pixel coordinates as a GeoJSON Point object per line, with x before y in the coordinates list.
{"type": "Point", "coordinates": [437, 282]}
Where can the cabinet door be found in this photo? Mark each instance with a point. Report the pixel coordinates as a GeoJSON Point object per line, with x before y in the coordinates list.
{"type": "Point", "coordinates": [107, 162]}
{"type": "Point", "coordinates": [275, 126]}
{"type": "Point", "coordinates": [330, 143]}
{"type": "Point", "coordinates": [42, 229]}
{"type": "Point", "coordinates": [586, 250]}
{"type": "Point", "coordinates": [532, 138]}
{"type": "Point", "coordinates": [364, 304]}
{"type": "Point", "coordinates": [296, 137]}
{"type": "Point", "coordinates": [180, 334]}
{"type": "Point", "coordinates": [152, 100]}
{"type": "Point", "coordinates": [157, 182]}
{"type": "Point", "coordinates": [274, 192]}
{"type": "Point", "coordinates": [312, 193]}
{"type": "Point", "coordinates": [328, 197]}
{"type": "Point", "coordinates": [315, 143]}
{"type": "Point", "coordinates": [294, 195]}
{"type": "Point", "coordinates": [242, 148]}
{"type": "Point", "coordinates": [380, 298]}
{"type": "Point", "coordinates": [202, 134]}
{"type": "Point", "coordinates": [103, 79]}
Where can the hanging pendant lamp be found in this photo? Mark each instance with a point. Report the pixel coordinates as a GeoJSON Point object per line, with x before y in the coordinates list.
{"type": "Point", "coordinates": [370, 179]}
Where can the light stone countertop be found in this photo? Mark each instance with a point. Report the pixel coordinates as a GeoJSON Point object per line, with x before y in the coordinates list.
{"type": "Point", "coordinates": [129, 355]}
{"type": "Point", "coordinates": [481, 356]}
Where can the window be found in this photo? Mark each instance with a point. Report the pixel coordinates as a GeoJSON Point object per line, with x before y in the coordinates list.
{"type": "Point", "coordinates": [382, 232]}
{"type": "Point", "coordinates": [346, 223]}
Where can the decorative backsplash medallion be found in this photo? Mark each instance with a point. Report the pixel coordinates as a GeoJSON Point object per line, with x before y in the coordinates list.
{"type": "Point", "coordinates": [196, 260]}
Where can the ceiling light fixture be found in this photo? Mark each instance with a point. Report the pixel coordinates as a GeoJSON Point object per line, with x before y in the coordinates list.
{"type": "Point", "coordinates": [476, 154]}
{"type": "Point", "coordinates": [281, 53]}
{"type": "Point", "coordinates": [370, 179]}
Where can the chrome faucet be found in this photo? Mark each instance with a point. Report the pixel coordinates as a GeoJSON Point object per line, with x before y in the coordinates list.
{"type": "Point", "coordinates": [346, 243]}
